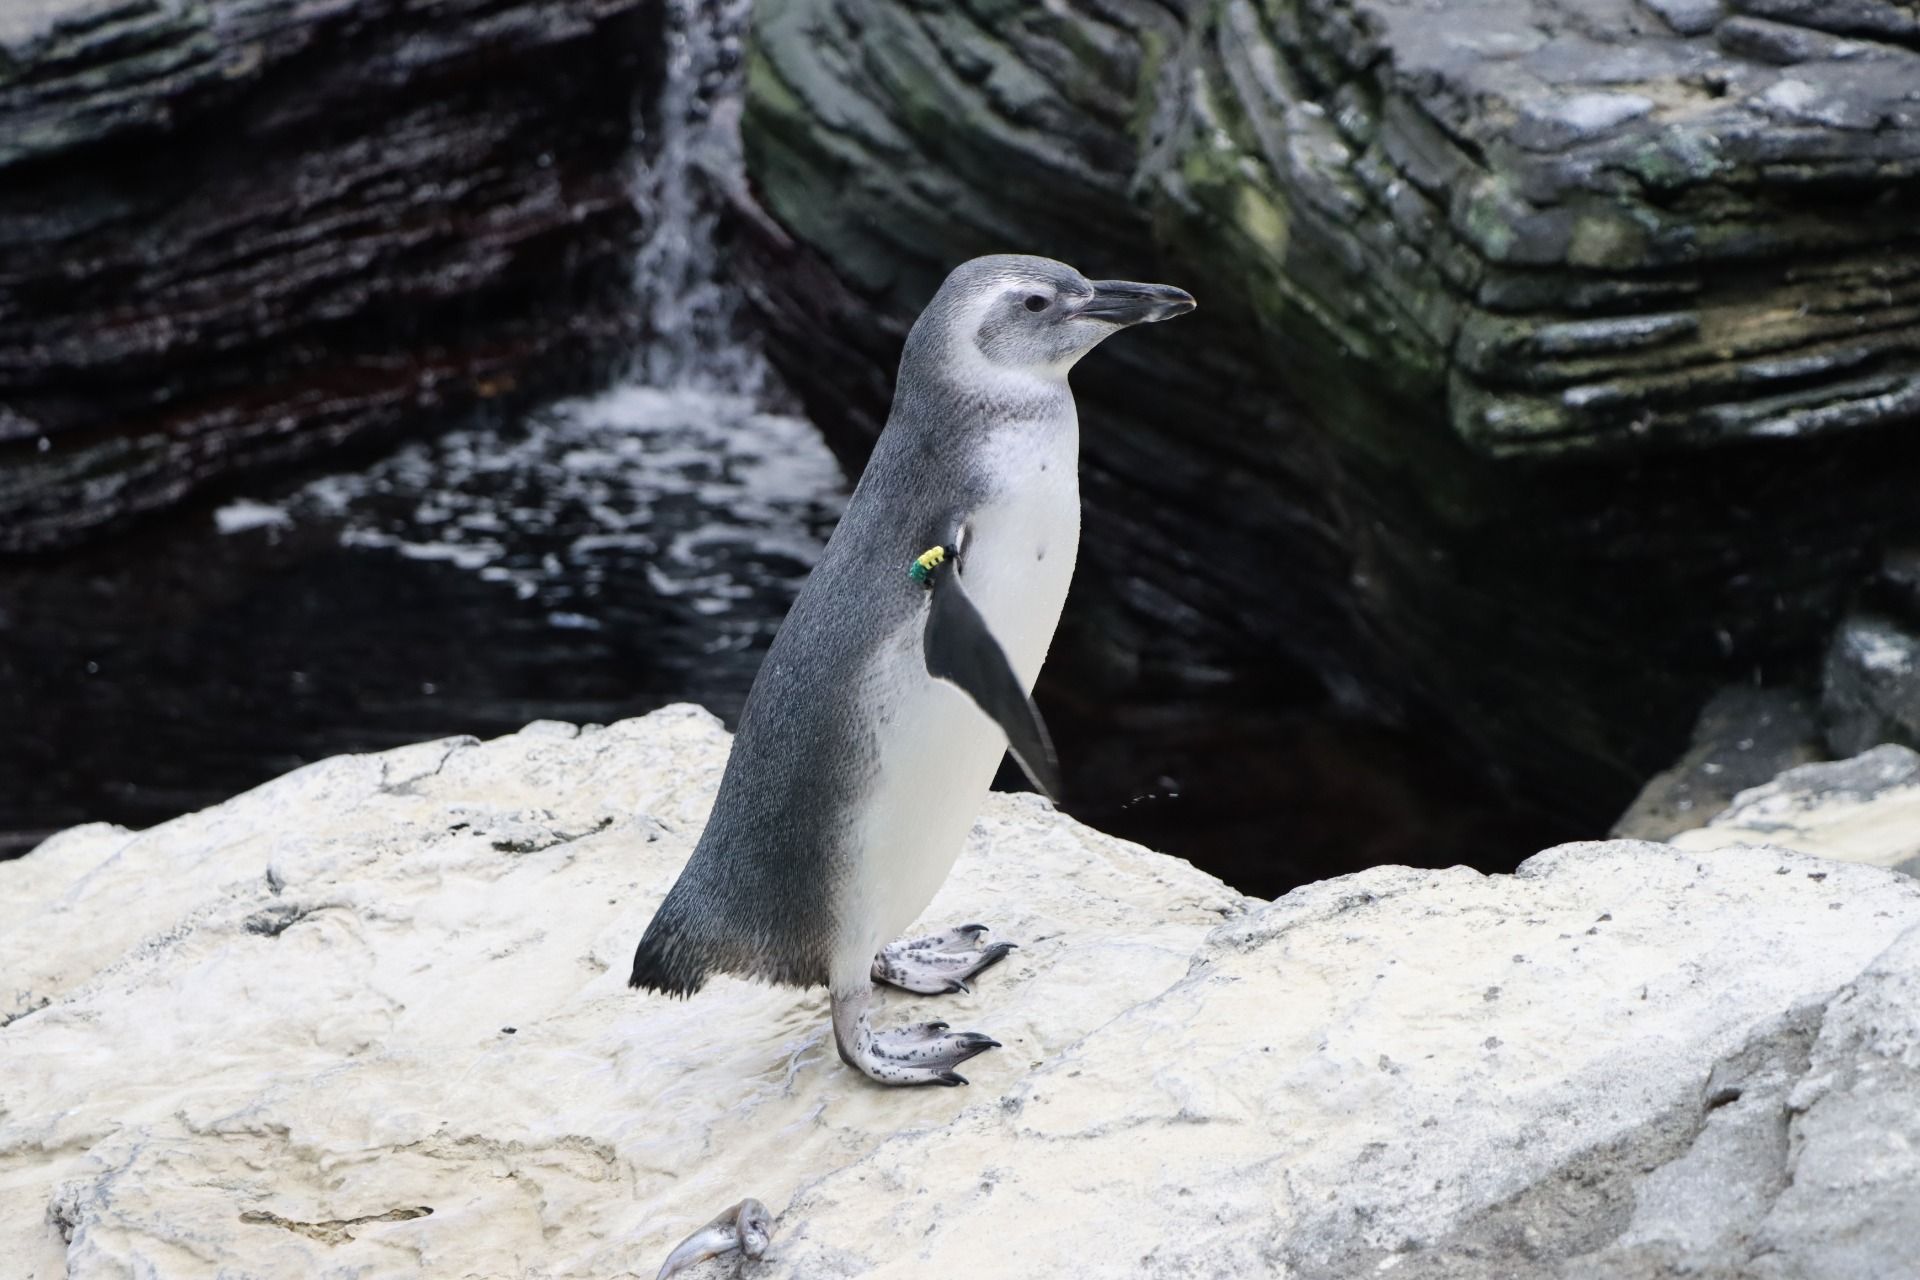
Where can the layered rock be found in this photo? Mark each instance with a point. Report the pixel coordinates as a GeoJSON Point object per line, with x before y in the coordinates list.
{"type": "Point", "coordinates": [1591, 229]}
{"type": "Point", "coordinates": [370, 1018]}
{"type": "Point", "coordinates": [1555, 364]}
{"type": "Point", "coordinates": [235, 233]}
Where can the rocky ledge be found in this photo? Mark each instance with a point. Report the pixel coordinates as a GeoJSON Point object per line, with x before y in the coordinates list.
{"type": "Point", "coordinates": [238, 232]}
{"type": "Point", "coordinates": [370, 1019]}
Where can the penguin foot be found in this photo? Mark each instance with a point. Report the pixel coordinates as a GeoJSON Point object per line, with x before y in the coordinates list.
{"type": "Point", "coordinates": [940, 963]}
{"type": "Point", "coordinates": [921, 1053]}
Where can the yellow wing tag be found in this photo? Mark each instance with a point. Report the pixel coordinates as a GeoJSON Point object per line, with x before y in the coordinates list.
{"type": "Point", "coordinates": [925, 563]}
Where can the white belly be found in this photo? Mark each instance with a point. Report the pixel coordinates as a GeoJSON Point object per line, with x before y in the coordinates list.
{"type": "Point", "coordinates": [938, 751]}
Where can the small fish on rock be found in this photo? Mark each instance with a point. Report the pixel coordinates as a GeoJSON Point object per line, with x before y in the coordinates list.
{"type": "Point", "coordinates": [746, 1226]}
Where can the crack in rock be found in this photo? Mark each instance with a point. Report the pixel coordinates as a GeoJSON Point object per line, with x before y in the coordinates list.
{"type": "Point", "coordinates": [334, 1230]}
{"type": "Point", "coordinates": [405, 786]}
{"type": "Point", "coordinates": [27, 1012]}
{"type": "Point", "coordinates": [559, 838]}
{"type": "Point", "coordinates": [276, 920]}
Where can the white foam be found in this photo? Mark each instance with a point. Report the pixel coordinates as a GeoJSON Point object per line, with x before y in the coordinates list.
{"type": "Point", "coordinates": [244, 514]}
{"type": "Point", "coordinates": [714, 498]}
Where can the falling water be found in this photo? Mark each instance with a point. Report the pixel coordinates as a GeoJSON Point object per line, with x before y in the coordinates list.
{"type": "Point", "coordinates": [677, 473]}
{"type": "Point", "coordinates": [677, 468]}
{"type": "Point", "coordinates": [680, 181]}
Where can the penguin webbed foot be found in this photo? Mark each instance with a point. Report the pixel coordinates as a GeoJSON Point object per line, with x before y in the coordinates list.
{"type": "Point", "coordinates": [919, 1053]}
{"type": "Point", "coordinates": [939, 963]}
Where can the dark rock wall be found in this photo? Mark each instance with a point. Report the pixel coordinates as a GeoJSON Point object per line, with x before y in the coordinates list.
{"type": "Point", "coordinates": [235, 233]}
{"type": "Point", "coordinates": [1555, 363]}
{"type": "Point", "coordinates": [1581, 295]}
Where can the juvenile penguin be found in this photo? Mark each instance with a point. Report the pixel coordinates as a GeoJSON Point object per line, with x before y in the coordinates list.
{"type": "Point", "coordinates": [903, 672]}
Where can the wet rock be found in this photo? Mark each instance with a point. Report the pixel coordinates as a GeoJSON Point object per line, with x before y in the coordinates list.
{"type": "Point", "coordinates": [1626, 1060]}
{"type": "Point", "coordinates": [1870, 682]}
{"type": "Point", "coordinates": [1745, 737]}
{"type": "Point", "coordinates": [1552, 368]}
{"type": "Point", "coordinates": [233, 234]}
{"type": "Point", "coordinates": [1871, 690]}
{"type": "Point", "coordinates": [1898, 582]}
{"type": "Point", "coordinates": [1688, 17]}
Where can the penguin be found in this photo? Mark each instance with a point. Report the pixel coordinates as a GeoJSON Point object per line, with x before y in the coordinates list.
{"type": "Point", "coordinates": [903, 673]}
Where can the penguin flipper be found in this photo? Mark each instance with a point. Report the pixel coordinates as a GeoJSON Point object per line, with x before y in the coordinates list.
{"type": "Point", "coordinates": [960, 649]}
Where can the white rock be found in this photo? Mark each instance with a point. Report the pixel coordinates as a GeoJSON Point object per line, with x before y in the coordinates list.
{"type": "Point", "coordinates": [275, 1038]}
{"type": "Point", "coordinates": [1866, 809]}
{"type": "Point", "coordinates": [221, 1058]}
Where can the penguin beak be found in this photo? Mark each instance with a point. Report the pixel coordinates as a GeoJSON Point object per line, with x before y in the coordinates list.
{"type": "Point", "coordinates": [1125, 302]}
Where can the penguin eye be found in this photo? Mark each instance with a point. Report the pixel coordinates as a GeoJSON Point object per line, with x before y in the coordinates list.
{"type": "Point", "coordinates": [1036, 302]}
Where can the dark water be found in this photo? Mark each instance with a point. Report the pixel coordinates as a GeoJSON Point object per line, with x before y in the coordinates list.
{"type": "Point", "coordinates": [593, 562]}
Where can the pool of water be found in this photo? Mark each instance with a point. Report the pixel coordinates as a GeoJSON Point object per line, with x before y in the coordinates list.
{"type": "Point", "coordinates": [592, 561]}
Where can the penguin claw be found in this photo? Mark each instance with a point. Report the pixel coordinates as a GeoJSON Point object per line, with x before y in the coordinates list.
{"type": "Point", "coordinates": [938, 963]}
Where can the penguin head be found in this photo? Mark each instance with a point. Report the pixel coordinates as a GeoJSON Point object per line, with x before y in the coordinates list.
{"type": "Point", "coordinates": [1035, 316]}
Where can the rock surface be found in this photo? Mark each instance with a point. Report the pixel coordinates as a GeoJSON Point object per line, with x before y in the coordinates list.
{"type": "Point", "coordinates": [1866, 809]}
{"type": "Point", "coordinates": [238, 232]}
{"type": "Point", "coordinates": [1870, 679]}
{"type": "Point", "coordinates": [1744, 738]}
{"type": "Point", "coordinates": [370, 1019]}
{"type": "Point", "coordinates": [1522, 324]}
{"type": "Point", "coordinates": [1872, 683]}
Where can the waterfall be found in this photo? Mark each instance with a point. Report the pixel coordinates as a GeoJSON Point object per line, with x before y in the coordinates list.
{"type": "Point", "coordinates": [675, 508]}
{"type": "Point", "coordinates": [695, 339]}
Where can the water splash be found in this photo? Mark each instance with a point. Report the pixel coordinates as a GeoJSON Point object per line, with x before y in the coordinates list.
{"type": "Point", "coordinates": [712, 509]}
{"type": "Point", "coordinates": [676, 478]}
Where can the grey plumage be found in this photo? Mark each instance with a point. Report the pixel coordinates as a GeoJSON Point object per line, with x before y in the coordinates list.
{"type": "Point", "coordinates": [762, 893]}
{"type": "Point", "coordinates": [803, 751]}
